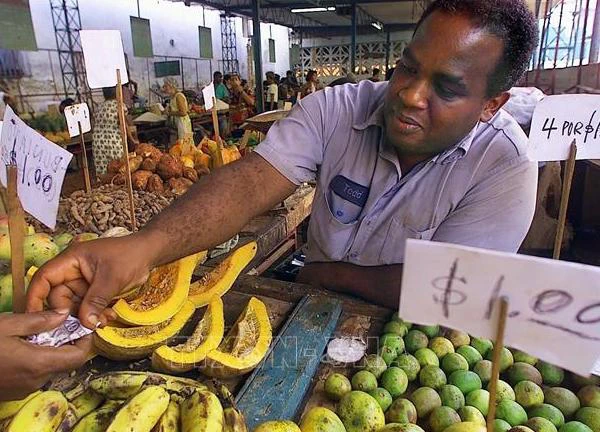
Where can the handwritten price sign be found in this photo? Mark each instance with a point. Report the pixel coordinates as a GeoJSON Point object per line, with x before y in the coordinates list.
{"type": "Point", "coordinates": [41, 166]}
{"type": "Point", "coordinates": [78, 114]}
{"type": "Point", "coordinates": [554, 305]}
{"type": "Point", "coordinates": [559, 119]}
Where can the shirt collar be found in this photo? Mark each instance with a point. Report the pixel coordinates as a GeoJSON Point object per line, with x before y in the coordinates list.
{"type": "Point", "coordinates": [374, 119]}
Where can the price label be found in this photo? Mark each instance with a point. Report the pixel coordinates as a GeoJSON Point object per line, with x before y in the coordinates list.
{"type": "Point", "coordinates": [559, 119]}
{"type": "Point", "coordinates": [41, 167]}
{"type": "Point", "coordinates": [103, 55]}
{"type": "Point", "coordinates": [554, 305]}
{"type": "Point", "coordinates": [76, 114]}
{"type": "Point", "coordinates": [208, 93]}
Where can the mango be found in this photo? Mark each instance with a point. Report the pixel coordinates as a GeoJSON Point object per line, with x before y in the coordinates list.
{"type": "Point", "coordinates": [548, 412]}
{"type": "Point", "coordinates": [589, 396]}
{"type": "Point", "coordinates": [336, 386]}
{"type": "Point", "coordinates": [504, 391]}
{"type": "Point", "coordinates": [551, 375]}
{"type": "Point", "coordinates": [441, 418]}
{"type": "Point", "coordinates": [452, 397]}
{"type": "Point", "coordinates": [540, 424]}
{"type": "Point", "coordinates": [277, 426]}
{"type": "Point", "coordinates": [511, 412]}
{"type": "Point", "coordinates": [401, 427]}
{"type": "Point", "coordinates": [574, 426]}
{"type": "Point", "coordinates": [563, 399]}
{"type": "Point", "coordinates": [401, 411]}
{"type": "Point", "coordinates": [63, 240]}
{"type": "Point", "coordinates": [484, 346]}
{"type": "Point", "coordinates": [501, 425]}
{"type": "Point", "coordinates": [382, 396]}
{"type": "Point", "coordinates": [425, 400]}
{"type": "Point", "coordinates": [528, 394]}
{"type": "Point", "coordinates": [506, 358]}
{"type": "Point", "coordinates": [364, 381]}
{"type": "Point", "coordinates": [483, 369]}
{"type": "Point", "coordinates": [321, 419]}
{"type": "Point", "coordinates": [393, 341]}
{"type": "Point", "coordinates": [471, 355]}
{"type": "Point", "coordinates": [458, 338]}
{"type": "Point", "coordinates": [479, 399]}
{"type": "Point", "coordinates": [472, 415]}
{"type": "Point", "coordinates": [466, 427]}
{"type": "Point", "coordinates": [523, 372]}
{"type": "Point", "coordinates": [430, 331]}
{"type": "Point", "coordinates": [374, 364]}
{"type": "Point", "coordinates": [427, 357]}
{"type": "Point", "coordinates": [432, 376]}
{"type": "Point", "coordinates": [409, 364]}
{"type": "Point", "coordinates": [359, 412]}
{"type": "Point", "coordinates": [466, 381]}
{"type": "Point", "coordinates": [395, 381]}
{"type": "Point", "coordinates": [441, 346]}
{"type": "Point", "coordinates": [396, 327]}
{"type": "Point", "coordinates": [523, 357]}
{"type": "Point", "coordinates": [38, 249]}
{"type": "Point", "coordinates": [590, 417]}
{"type": "Point", "coordinates": [453, 362]}
{"type": "Point", "coordinates": [520, 428]}
{"type": "Point", "coordinates": [414, 340]}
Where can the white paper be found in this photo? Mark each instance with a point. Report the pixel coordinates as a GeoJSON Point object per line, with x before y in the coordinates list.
{"type": "Point", "coordinates": [558, 120]}
{"type": "Point", "coordinates": [209, 93]}
{"type": "Point", "coordinates": [596, 370]}
{"type": "Point", "coordinates": [103, 55]}
{"type": "Point", "coordinates": [75, 114]}
{"type": "Point", "coordinates": [41, 167]}
{"type": "Point", "coordinates": [554, 305]}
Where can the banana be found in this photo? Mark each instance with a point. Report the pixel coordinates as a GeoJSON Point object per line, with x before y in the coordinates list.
{"type": "Point", "coordinates": [98, 420]}
{"type": "Point", "coordinates": [42, 413]}
{"type": "Point", "coordinates": [169, 421]}
{"type": "Point", "coordinates": [75, 392]}
{"type": "Point", "coordinates": [142, 411]}
{"type": "Point", "coordinates": [10, 408]}
{"type": "Point", "coordinates": [202, 412]}
{"type": "Point", "coordinates": [234, 420]}
{"type": "Point", "coordinates": [69, 420]}
{"type": "Point", "coordinates": [87, 402]}
{"type": "Point", "coordinates": [118, 385]}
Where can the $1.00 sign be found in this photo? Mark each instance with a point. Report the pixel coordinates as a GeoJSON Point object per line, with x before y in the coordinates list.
{"type": "Point", "coordinates": [560, 119]}
{"type": "Point", "coordinates": [41, 167]}
{"type": "Point", "coordinates": [554, 306]}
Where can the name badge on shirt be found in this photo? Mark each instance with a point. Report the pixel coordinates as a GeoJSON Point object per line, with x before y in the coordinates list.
{"type": "Point", "coordinates": [350, 191]}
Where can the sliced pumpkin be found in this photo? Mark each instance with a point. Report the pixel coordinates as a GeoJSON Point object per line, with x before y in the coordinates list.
{"type": "Point", "coordinates": [245, 345]}
{"type": "Point", "coordinates": [219, 280]}
{"type": "Point", "coordinates": [206, 337]}
{"type": "Point", "coordinates": [161, 296]}
{"type": "Point", "coordinates": [132, 343]}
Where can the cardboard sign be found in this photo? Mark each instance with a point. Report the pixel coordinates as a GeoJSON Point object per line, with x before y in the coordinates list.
{"type": "Point", "coordinates": [554, 305]}
{"type": "Point", "coordinates": [103, 55]}
{"type": "Point", "coordinates": [559, 119]}
{"type": "Point", "coordinates": [41, 165]}
{"type": "Point", "coordinates": [75, 114]}
{"type": "Point", "coordinates": [209, 93]}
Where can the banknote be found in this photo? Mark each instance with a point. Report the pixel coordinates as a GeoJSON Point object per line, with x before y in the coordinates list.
{"type": "Point", "coordinates": [69, 331]}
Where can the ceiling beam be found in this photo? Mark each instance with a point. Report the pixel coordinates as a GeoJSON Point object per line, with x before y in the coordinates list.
{"type": "Point", "coordinates": [308, 4]}
{"type": "Point", "coordinates": [343, 30]}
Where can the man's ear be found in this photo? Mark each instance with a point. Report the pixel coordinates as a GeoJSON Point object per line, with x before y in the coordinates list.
{"type": "Point", "coordinates": [492, 106]}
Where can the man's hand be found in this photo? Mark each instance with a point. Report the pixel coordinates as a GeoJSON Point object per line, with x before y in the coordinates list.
{"type": "Point", "coordinates": [87, 276]}
{"type": "Point", "coordinates": [25, 367]}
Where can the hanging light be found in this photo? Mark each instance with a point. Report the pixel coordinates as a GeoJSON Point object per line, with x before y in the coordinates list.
{"type": "Point", "coordinates": [314, 9]}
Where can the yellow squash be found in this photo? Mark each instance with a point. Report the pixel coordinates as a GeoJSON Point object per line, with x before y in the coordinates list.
{"type": "Point", "coordinates": [161, 296]}
{"type": "Point", "coordinates": [245, 345]}
{"type": "Point", "coordinates": [131, 343]}
{"type": "Point", "coordinates": [219, 280]}
{"type": "Point", "coordinates": [206, 337]}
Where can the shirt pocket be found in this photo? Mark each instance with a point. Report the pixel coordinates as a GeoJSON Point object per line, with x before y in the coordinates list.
{"type": "Point", "coordinates": [394, 245]}
{"type": "Point", "coordinates": [331, 237]}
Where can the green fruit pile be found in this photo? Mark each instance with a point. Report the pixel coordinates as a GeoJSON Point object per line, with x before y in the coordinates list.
{"type": "Point", "coordinates": [425, 378]}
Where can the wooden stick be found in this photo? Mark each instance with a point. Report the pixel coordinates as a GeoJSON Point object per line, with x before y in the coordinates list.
{"type": "Point", "coordinates": [245, 139]}
{"type": "Point", "coordinates": [564, 200]}
{"type": "Point", "coordinates": [215, 120]}
{"type": "Point", "coordinates": [121, 112]}
{"type": "Point", "coordinates": [84, 162]}
{"type": "Point", "coordinates": [498, 345]}
{"type": "Point", "coordinates": [16, 232]}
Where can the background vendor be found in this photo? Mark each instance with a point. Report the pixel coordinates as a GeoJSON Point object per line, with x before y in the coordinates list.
{"type": "Point", "coordinates": [178, 109]}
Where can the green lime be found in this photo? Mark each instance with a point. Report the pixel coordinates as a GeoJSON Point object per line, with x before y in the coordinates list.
{"type": "Point", "coordinates": [432, 376]}
{"type": "Point", "coordinates": [471, 355]}
{"type": "Point", "coordinates": [528, 394]}
{"type": "Point", "coordinates": [482, 345]}
{"type": "Point", "coordinates": [453, 362]}
{"type": "Point", "coordinates": [383, 397]}
{"type": "Point", "coordinates": [415, 340]}
{"type": "Point", "coordinates": [441, 346]}
{"type": "Point", "coordinates": [479, 399]}
{"type": "Point", "coordinates": [336, 386]}
{"type": "Point", "coordinates": [395, 381]}
{"type": "Point", "coordinates": [442, 417]}
{"type": "Point", "coordinates": [409, 364]}
{"type": "Point", "coordinates": [466, 381]}
{"type": "Point", "coordinates": [364, 381]}
{"type": "Point", "coordinates": [427, 357]}
{"type": "Point", "coordinates": [452, 397]}
{"type": "Point", "coordinates": [483, 368]}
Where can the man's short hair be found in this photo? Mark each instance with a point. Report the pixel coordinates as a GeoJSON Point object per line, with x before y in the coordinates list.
{"type": "Point", "coordinates": [509, 20]}
{"type": "Point", "coordinates": [217, 74]}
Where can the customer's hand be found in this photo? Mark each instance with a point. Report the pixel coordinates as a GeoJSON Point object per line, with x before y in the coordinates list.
{"type": "Point", "coordinates": [25, 367]}
{"type": "Point", "coordinates": [87, 276]}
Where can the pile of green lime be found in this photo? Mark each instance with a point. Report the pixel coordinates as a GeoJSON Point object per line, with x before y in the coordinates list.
{"type": "Point", "coordinates": [427, 378]}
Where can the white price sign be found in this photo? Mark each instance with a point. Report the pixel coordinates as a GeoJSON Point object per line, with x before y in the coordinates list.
{"type": "Point", "coordinates": [76, 114]}
{"type": "Point", "coordinates": [41, 167]}
{"type": "Point", "coordinates": [103, 55]}
{"type": "Point", "coordinates": [208, 94]}
{"type": "Point", "coordinates": [560, 119]}
{"type": "Point", "coordinates": [554, 306]}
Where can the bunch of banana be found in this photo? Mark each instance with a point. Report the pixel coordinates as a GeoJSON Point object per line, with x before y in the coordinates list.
{"type": "Point", "coordinates": [126, 401]}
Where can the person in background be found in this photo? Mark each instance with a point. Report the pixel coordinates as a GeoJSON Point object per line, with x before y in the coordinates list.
{"type": "Point", "coordinates": [312, 83]}
{"type": "Point", "coordinates": [221, 91]}
{"type": "Point", "coordinates": [389, 73]}
{"type": "Point", "coordinates": [239, 95]}
{"type": "Point", "coordinates": [272, 92]}
{"type": "Point", "coordinates": [178, 108]}
{"type": "Point", "coordinates": [65, 103]}
{"type": "Point", "coordinates": [376, 77]}
{"type": "Point", "coordinates": [290, 80]}
{"type": "Point", "coordinates": [106, 136]}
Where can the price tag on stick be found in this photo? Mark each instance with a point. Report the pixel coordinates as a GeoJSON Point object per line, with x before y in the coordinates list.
{"type": "Point", "coordinates": [554, 305]}
{"type": "Point", "coordinates": [41, 167]}
{"type": "Point", "coordinates": [77, 115]}
{"type": "Point", "coordinates": [208, 93]}
{"type": "Point", "coordinates": [103, 55]}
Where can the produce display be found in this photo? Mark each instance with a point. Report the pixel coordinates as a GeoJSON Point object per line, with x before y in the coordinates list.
{"type": "Point", "coordinates": [52, 126]}
{"type": "Point", "coordinates": [425, 378]}
{"type": "Point", "coordinates": [127, 401]}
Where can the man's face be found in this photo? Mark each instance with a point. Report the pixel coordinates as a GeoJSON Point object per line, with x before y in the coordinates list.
{"type": "Point", "coordinates": [438, 90]}
{"type": "Point", "coordinates": [218, 79]}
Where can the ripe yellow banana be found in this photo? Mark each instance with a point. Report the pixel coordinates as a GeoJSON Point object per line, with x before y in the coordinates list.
{"type": "Point", "coordinates": [202, 412]}
{"type": "Point", "coordinates": [42, 413]}
{"type": "Point", "coordinates": [169, 421]}
{"type": "Point", "coordinates": [75, 392]}
{"type": "Point", "coordinates": [10, 408]}
{"type": "Point", "coordinates": [118, 385]}
{"type": "Point", "coordinates": [69, 420]}
{"type": "Point", "coordinates": [142, 411]}
{"type": "Point", "coordinates": [87, 402]}
{"type": "Point", "coordinates": [98, 420]}
{"type": "Point", "coordinates": [234, 420]}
